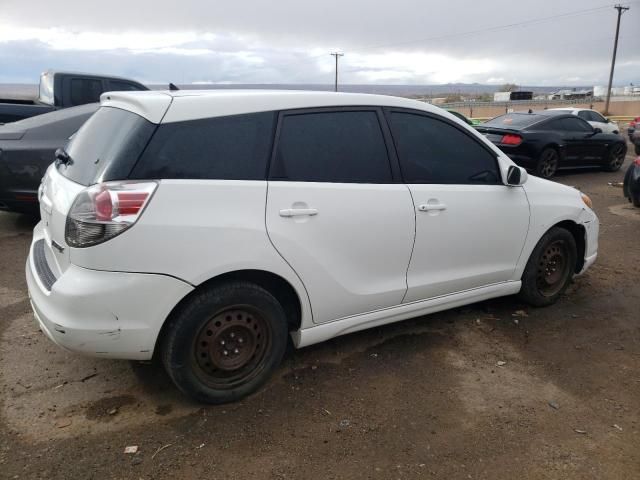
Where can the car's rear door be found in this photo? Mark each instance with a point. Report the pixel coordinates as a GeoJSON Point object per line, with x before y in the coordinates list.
{"type": "Point", "coordinates": [337, 213]}
{"type": "Point", "coordinates": [470, 227]}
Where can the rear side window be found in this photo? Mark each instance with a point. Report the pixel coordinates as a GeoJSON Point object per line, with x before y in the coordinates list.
{"type": "Point", "coordinates": [338, 147]}
{"type": "Point", "coordinates": [433, 151]}
{"type": "Point", "coordinates": [556, 124]}
{"type": "Point", "coordinates": [576, 124]}
{"type": "Point", "coordinates": [234, 147]}
{"type": "Point", "coordinates": [106, 146]}
{"type": "Point", "coordinates": [85, 90]}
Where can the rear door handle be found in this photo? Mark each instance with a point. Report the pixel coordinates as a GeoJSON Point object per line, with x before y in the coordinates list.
{"type": "Point", "coordinates": [427, 207]}
{"type": "Point", "coordinates": [298, 212]}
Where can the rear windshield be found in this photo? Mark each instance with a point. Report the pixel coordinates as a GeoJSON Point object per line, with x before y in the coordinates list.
{"type": "Point", "coordinates": [106, 147]}
{"type": "Point", "coordinates": [514, 120]}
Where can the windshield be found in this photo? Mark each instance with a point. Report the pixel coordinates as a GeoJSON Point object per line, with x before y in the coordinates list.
{"type": "Point", "coordinates": [106, 147]}
{"type": "Point", "coordinates": [45, 94]}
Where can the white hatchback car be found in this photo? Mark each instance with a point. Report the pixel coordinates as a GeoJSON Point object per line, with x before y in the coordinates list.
{"type": "Point", "coordinates": [595, 119]}
{"type": "Point", "coordinates": [208, 227]}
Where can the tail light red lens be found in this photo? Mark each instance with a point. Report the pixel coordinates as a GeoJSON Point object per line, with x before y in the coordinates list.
{"type": "Point", "coordinates": [511, 139]}
{"type": "Point", "coordinates": [104, 211]}
{"type": "Point", "coordinates": [637, 161]}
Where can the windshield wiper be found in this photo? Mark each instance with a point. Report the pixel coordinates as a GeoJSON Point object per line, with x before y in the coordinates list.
{"type": "Point", "coordinates": [62, 157]}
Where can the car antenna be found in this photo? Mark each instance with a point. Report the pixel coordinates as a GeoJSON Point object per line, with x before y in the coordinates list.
{"type": "Point", "coordinates": [173, 87]}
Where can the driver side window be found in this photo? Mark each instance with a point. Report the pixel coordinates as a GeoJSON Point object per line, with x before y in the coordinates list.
{"type": "Point", "coordinates": [435, 152]}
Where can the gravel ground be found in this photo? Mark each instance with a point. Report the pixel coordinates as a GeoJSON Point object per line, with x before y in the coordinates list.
{"type": "Point", "coordinates": [495, 390]}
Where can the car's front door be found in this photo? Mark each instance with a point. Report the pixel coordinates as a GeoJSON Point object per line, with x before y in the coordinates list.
{"type": "Point", "coordinates": [470, 227]}
{"type": "Point", "coordinates": [590, 146]}
{"type": "Point", "coordinates": [336, 212]}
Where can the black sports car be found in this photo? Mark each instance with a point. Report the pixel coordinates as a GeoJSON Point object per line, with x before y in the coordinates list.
{"type": "Point", "coordinates": [27, 148]}
{"type": "Point", "coordinates": [548, 140]}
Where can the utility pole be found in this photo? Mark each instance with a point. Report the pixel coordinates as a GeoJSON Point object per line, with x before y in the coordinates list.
{"type": "Point", "coordinates": [621, 10]}
{"type": "Point", "coordinates": [336, 54]}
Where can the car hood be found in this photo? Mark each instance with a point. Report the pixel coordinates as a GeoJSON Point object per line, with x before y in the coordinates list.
{"type": "Point", "coordinates": [10, 132]}
{"type": "Point", "coordinates": [540, 185]}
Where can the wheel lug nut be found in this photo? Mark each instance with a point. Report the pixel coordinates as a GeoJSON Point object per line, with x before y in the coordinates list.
{"type": "Point", "coordinates": [235, 350]}
{"type": "Point", "coordinates": [232, 334]}
{"type": "Point", "coordinates": [222, 342]}
{"type": "Point", "coordinates": [225, 353]}
{"type": "Point", "coordinates": [240, 340]}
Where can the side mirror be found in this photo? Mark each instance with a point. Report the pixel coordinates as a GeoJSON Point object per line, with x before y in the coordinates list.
{"type": "Point", "coordinates": [597, 130]}
{"type": "Point", "coordinates": [516, 176]}
{"type": "Point", "coordinates": [606, 120]}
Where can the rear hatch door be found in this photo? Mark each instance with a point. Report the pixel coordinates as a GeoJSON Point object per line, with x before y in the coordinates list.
{"type": "Point", "coordinates": [104, 149]}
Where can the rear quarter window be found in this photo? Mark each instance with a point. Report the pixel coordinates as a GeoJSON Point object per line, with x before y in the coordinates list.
{"type": "Point", "coordinates": [106, 146]}
{"type": "Point", "coordinates": [234, 147]}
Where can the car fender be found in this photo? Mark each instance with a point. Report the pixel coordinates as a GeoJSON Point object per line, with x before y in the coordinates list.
{"type": "Point", "coordinates": [550, 204]}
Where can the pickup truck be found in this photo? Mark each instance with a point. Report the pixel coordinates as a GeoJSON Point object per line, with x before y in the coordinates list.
{"type": "Point", "coordinates": [62, 90]}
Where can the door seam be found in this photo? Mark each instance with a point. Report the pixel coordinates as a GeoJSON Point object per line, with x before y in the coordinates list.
{"type": "Point", "coordinates": [413, 246]}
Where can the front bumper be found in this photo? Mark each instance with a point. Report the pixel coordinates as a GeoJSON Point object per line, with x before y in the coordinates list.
{"type": "Point", "coordinates": [104, 314]}
{"type": "Point", "coordinates": [589, 220]}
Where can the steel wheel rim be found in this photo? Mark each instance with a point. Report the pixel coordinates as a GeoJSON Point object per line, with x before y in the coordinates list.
{"type": "Point", "coordinates": [553, 268]}
{"type": "Point", "coordinates": [230, 349]}
{"type": "Point", "coordinates": [549, 163]}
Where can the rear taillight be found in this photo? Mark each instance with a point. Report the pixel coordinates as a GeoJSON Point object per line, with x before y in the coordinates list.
{"type": "Point", "coordinates": [637, 161]}
{"type": "Point", "coordinates": [511, 139]}
{"type": "Point", "coordinates": [105, 210]}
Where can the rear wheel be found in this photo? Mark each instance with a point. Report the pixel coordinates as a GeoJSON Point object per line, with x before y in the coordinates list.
{"type": "Point", "coordinates": [547, 163]}
{"type": "Point", "coordinates": [615, 158]}
{"type": "Point", "coordinates": [225, 342]}
{"type": "Point", "coordinates": [550, 268]}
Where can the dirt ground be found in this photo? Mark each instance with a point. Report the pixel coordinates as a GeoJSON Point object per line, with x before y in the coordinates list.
{"type": "Point", "coordinates": [425, 398]}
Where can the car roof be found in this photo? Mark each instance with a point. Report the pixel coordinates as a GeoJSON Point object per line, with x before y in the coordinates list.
{"type": "Point", "coordinates": [195, 104]}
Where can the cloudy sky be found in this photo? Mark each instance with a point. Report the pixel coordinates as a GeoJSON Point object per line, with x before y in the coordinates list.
{"type": "Point", "coordinates": [541, 42]}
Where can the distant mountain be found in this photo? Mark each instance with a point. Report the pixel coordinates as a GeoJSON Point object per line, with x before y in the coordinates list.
{"type": "Point", "coordinates": [399, 90]}
{"type": "Point", "coordinates": [23, 90]}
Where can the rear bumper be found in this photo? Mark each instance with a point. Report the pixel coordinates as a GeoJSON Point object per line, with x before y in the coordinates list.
{"type": "Point", "coordinates": [104, 314]}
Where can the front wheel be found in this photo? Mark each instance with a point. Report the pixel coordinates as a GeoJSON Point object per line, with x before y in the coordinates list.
{"type": "Point", "coordinates": [615, 158]}
{"type": "Point", "coordinates": [550, 268]}
{"type": "Point", "coordinates": [225, 342]}
{"type": "Point", "coordinates": [548, 163]}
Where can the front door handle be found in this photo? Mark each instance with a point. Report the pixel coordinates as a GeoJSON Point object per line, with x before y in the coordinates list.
{"type": "Point", "coordinates": [298, 212]}
{"type": "Point", "coordinates": [428, 207]}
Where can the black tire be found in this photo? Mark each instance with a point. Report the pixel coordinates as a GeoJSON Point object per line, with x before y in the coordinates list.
{"type": "Point", "coordinates": [635, 199]}
{"type": "Point", "coordinates": [550, 268]}
{"type": "Point", "coordinates": [225, 342]}
{"type": "Point", "coordinates": [615, 157]}
{"type": "Point", "coordinates": [547, 163]}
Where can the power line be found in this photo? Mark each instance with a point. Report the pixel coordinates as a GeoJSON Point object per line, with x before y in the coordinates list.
{"type": "Point", "coordinates": [484, 30]}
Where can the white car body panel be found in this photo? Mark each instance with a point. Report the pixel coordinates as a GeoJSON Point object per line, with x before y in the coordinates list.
{"type": "Point", "coordinates": [95, 313]}
{"type": "Point", "coordinates": [447, 257]}
{"type": "Point", "coordinates": [353, 254]}
{"type": "Point", "coordinates": [356, 323]}
{"type": "Point", "coordinates": [222, 231]}
{"type": "Point", "coordinates": [349, 264]}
